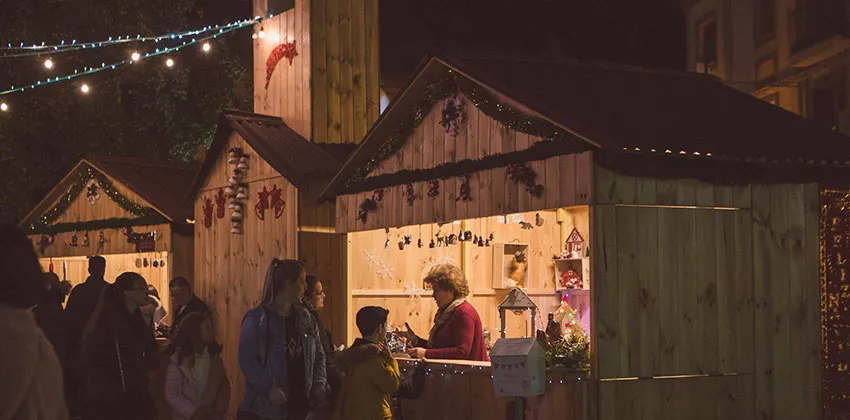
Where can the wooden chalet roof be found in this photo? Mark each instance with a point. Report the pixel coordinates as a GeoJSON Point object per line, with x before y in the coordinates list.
{"type": "Point", "coordinates": [162, 185]}
{"type": "Point", "coordinates": [297, 159]}
{"type": "Point", "coordinates": [670, 117]}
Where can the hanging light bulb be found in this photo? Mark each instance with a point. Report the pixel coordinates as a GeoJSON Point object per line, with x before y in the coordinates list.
{"type": "Point", "coordinates": [84, 88]}
{"type": "Point", "coordinates": [206, 47]}
{"type": "Point", "coordinates": [169, 62]}
{"type": "Point", "coordinates": [48, 64]}
{"type": "Point", "coordinates": [253, 36]}
{"type": "Point", "coordinates": [4, 106]}
{"type": "Point", "coordinates": [135, 56]}
{"type": "Point", "coordinates": [262, 33]}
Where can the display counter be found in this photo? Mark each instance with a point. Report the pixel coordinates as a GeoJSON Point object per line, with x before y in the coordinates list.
{"type": "Point", "coordinates": [459, 389]}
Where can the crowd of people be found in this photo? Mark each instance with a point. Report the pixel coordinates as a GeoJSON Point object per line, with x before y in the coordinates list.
{"type": "Point", "coordinates": [97, 358]}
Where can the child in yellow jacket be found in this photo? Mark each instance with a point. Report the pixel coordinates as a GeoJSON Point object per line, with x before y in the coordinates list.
{"type": "Point", "coordinates": [369, 383]}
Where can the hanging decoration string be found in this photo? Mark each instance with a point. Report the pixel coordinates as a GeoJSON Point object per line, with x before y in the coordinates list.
{"type": "Point", "coordinates": [116, 65]}
{"type": "Point", "coordinates": [28, 50]}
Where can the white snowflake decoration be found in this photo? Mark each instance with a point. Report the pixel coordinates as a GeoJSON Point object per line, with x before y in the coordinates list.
{"type": "Point", "coordinates": [381, 268]}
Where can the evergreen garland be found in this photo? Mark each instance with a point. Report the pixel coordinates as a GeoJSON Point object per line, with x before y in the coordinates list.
{"type": "Point", "coordinates": [82, 177]}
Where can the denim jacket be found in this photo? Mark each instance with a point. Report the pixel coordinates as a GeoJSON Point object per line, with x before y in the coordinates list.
{"type": "Point", "coordinates": [262, 357]}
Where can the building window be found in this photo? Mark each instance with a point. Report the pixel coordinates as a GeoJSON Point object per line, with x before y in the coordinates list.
{"type": "Point", "coordinates": [706, 61]}
{"type": "Point", "coordinates": [765, 21]}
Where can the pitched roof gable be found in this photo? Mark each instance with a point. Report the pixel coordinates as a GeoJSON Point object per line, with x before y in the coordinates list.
{"type": "Point", "coordinates": [627, 111]}
{"type": "Point", "coordinates": [297, 159]}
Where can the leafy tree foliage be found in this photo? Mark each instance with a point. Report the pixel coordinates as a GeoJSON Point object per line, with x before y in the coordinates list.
{"type": "Point", "coordinates": [147, 110]}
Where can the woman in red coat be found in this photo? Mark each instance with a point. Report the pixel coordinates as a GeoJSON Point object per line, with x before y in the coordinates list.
{"type": "Point", "coordinates": [457, 332]}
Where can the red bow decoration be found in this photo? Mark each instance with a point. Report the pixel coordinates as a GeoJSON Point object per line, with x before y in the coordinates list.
{"type": "Point", "coordinates": [220, 201]}
{"type": "Point", "coordinates": [287, 49]}
{"type": "Point", "coordinates": [262, 203]}
{"type": "Point", "coordinates": [208, 212]}
{"type": "Point", "coordinates": [277, 202]}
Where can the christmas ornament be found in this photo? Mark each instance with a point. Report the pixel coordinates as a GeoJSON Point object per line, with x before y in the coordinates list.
{"type": "Point", "coordinates": [433, 188]}
{"type": "Point", "coordinates": [101, 239]}
{"type": "Point", "coordinates": [538, 220]}
{"type": "Point", "coordinates": [453, 115]}
{"type": "Point", "coordinates": [526, 225]}
{"type": "Point", "coordinates": [45, 241]}
{"type": "Point", "coordinates": [523, 174]}
{"type": "Point", "coordinates": [285, 50]}
{"type": "Point", "coordinates": [481, 242]}
{"type": "Point", "coordinates": [575, 244]}
{"type": "Point", "coordinates": [207, 209]}
{"type": "Point", "coordinates": [464, 190]}
{"type": "Point", "coordinates": [401, 245]}
{"type": "Point", "coordinates": [411, 195]}
{"type": "Point", "coordinates": [242, 194]}
{"type": "Point", "coordinates": [365, 207]}
{"type": "Point", "coordinates": [155, 264]}
{"type": "Point", "coordinates": [419, 243]}
{"type": "Point", "coordinates": [92, 191]}
{"type": "Point", "coordinates": [73, 240]}
{"type": "Point", "coordinates": [432, 244]}
{"type": "Point", "coordinates": [145, 262]}
{"type": "Point", "coordinates": [262, 203]}
{"type": "Point", "coordinates": [570, 279]}
{"type": "Point", "coordinates": [408, 239]}
{"type": "Point", "coordinates": [232, 157]}
{"type": "Point", "coordinates": [243, 163]}
{"type": "Point", "coordinates": [85, 241]}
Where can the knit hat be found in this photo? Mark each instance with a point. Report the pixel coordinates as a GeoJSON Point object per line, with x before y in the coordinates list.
{"type": "Point", "coordinates": [369, 318]}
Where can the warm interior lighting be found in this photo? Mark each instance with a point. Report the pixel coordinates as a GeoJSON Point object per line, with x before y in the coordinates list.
{"type": "Point", "coordinates": [48, 64]}
{"type": "Point", "coordinates": [4, 107]}
{"type": "Point", "coordinates": [84, 88]}
{"type": "Point", "coordinates": [169, 62]}
{"type": "Point", "coordinates": [206, 47]}
{"type": "Point", "coordinates": [135, 56]}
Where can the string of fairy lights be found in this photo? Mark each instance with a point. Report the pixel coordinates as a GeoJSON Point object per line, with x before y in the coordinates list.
{"type": "Point", "coordinates": [202, 37]}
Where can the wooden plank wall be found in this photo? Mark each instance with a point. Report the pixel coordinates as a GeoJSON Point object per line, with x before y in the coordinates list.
{"type": "Point", "coordinates": [345, 91]}
{"type": "Point", "coordinates": [694, 279]}
{"type": "Point", "coordinates": [565, 178]}
{"type": "Point", "coordinates": [116, 242]}
{"type": "Point", "coordinates": [230, 268]}
{"type": "Point", "coordinates": [392, 278]}
{"type": "Point", "coordinates": [288, 93]}
{"type": "Point", "coordinates": [716, 397]}
{"type": "Point", "coordinates": [323, 253]}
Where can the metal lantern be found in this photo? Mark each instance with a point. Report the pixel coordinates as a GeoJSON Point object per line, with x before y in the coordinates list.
{"type": "Point", "coordinates": [517, 300]}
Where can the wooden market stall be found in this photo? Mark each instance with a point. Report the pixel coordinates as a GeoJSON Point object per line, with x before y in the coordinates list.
{"type": "Point", "coordinates": [131, 211]}
{"type": "Point", "coordinates": [256, 198]}
{"type": "Point", "coordinates": [697, 207]}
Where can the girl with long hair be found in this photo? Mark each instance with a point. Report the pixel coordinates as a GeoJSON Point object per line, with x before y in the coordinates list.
{"type": "Point", "coordinates": [196, 384]}
{"type": "Point", "coordinates": [120, 353]}
{"type": "Point", "coordinates": [280, 351]}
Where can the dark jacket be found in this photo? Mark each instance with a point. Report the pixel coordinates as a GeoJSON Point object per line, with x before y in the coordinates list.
{"type": "Point", "coordinates": [82, 302]}
{"type": "Point", "coordinates": [119, 351]}
{"type": "Point", "coordinates": [333, 374]}
{"type": "Point", "coordinates": [195, 305]}
{"type": "Point", "coordinates": [460, 337]}
{"type": "Point", "coordinates": [262, 357]}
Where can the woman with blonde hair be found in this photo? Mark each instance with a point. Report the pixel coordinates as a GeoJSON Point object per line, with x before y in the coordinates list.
{"type": "Point", "coordinates": [457, 332]}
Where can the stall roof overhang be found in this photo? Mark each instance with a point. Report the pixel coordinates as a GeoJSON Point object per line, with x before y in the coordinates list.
{"type": "Point", "coordinates": [297, 159]}
{"type": "Point", "coordinates": [162, 185]}
{"type": "Point", "coordinates": [628, 114]}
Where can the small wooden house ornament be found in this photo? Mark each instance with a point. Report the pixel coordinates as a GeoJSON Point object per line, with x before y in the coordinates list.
{"type": "Point", "coordinates": [575, 244]}
{"type": "Point", "coordinates": [517, 300]}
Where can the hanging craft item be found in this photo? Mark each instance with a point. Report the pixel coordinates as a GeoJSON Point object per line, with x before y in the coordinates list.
{"type": "Point", "coordinates": [92, 191]}
{"type": "Point", "coordinates": [277, 202]}
{"type": "Point", "coordinates": [538, 220]}
{"type": "Point", "coordinates": [207, 209]}
{"type": "Point", "coordinates": [262, 203]}
{"type": "Point", "coordinates": [220, 201]}
{"type": "Point", "coordinates": [382, 269]}
{"type": "Point", "coordinates": [410, 194]}
{"type": "Point", "coordinates": [522, 174]}
{"type": "Point", "coordinates": [73, 241]}
{"type": "Point", "coordinates": [45, 241]}
{"type": "Point", "coordinates": [433, 188]}
{"type": "Point", "coordinates": [464, 190]}
{"type": "Point", "coordinates": [101, 239]}
{"type": "Point", "coordinates": [453, 115]}
{"type": "Point", "coordinates": [526, 225]}
{"type": "Point", "coordinates": [85, 241]}
{"type": "Point", "coordinates": [236, 191]}
{"type": "Point", "coordinates": [419, 243]}
{"type": "Point", "coordinates": [285, 50]}
{"type": "Point", "coordinates": [145, 242]}
{"type": "Point", "coordinates": [575, 244]}
{"type": "Point", "coordinates": [370, 204]}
